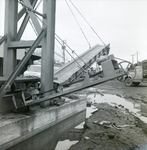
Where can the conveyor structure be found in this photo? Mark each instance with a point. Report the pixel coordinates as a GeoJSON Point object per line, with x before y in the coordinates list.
{"type": "Point", "coordinates": [21, 92]}
{"type": "Point", "coordinates": [71, 72]}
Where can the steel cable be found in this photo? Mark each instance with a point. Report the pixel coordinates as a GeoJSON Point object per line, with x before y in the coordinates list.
{"type": "Point", "coordinates": [87, 22]}
{"type": "Point", "coordinates": [65, 44]}
{"type": "Point", "coordinates": [78, 24]}
{"type": "Point", "coordinates": [30, 9]}
{"type": "Point", "coordinates": [57, 39]}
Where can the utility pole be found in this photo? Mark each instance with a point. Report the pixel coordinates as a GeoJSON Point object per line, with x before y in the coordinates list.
{"type": "Point", "coordinates": [137, 56]}
{"type": "Point", "coordinates": [132, 58]}
{"type": "Point", "coordinates": [72, 58]}
{"type": "Point", "coordinates": [63, 48]}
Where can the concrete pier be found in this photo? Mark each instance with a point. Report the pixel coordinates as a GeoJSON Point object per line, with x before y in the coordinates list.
{"type": "Point", "coordinates": [40, 128]}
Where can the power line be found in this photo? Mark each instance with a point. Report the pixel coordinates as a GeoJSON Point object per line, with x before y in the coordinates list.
{"type": "Point", "coordinates": [56, 36]}
{"type": "Point", "coordinates": [132, 58]}
{"type": "Point", "coordinates": [38, 4]}
{"type": "Point", "coordinates": [33, 27]}
{"type": "Point", "coordinates": [60, 54]}
{"type": "Point", "coordinates": [137, 56]}
{"type": "Point", "coordinates": [59, 41]}
{"type": "Point", "coordinates": [87, 22]}
{"type": "Point", "coordinates": [78, 24]}
{"type": "Point", "coordinates": [32, 23]}
{"type": "Point", "coordinates": [29, 19]}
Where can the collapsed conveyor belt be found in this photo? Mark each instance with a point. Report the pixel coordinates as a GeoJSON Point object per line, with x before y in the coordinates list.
{"type": "Point", "coordinates": [66, 75]}
{"type": "Point", "coordinates": [71, 72]}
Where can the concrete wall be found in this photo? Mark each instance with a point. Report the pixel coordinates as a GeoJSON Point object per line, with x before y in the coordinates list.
{"type": "Point", "coordinates": [48, 139]}
{"type": "Point", "coordinates": [18, 127]}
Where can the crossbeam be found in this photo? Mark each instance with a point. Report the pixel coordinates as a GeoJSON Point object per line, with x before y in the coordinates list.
{"type": "Point", "coordinates": [22, 44]}
{"type": "Point", "coordinates": [25, 44]}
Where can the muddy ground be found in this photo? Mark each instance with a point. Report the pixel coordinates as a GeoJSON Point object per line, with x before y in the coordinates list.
{"type": "Point", "coordinates": [114, 127]}
{"type": "Point", "coordinates": [135, 93]}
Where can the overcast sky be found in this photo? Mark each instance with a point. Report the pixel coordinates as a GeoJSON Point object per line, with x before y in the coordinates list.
{"type": "Point", "coordinates": [122, 23]}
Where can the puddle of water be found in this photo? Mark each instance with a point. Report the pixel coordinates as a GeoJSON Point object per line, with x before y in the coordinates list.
{"type": "Point", "coordinates": [112, 100]}
{"type": "Point", "coordinates": [89, 111]}
{"type": "Point", "coordinates": [64, 145]}
{"type": "Point", "coordinates": [134, 107]}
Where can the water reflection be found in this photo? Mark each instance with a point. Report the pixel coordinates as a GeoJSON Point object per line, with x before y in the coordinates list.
{"type": "Point", "coordinates": [136, 108]}
{"type": "Point", "coordinates": [64, 145]}
{"type": "Point", "coordinates": [89, 111]}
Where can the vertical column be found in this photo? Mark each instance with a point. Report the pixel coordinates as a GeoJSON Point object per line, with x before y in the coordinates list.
{"type": "Point", "coordinates": [47, 61]}
{"type": "Point", "coordinates": [11, 7]}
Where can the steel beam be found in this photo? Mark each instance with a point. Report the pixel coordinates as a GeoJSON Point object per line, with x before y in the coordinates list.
{"type": "Point", "coordinates": [11, 7]}
{"type": "Point", "coordinates": [34, 11]}
{"type": "Point", "coordinates": [25, 44]}
{"type": "Point", "coordinates": [23, 10]}
{"type": "Point", "coordinates": [21, 44]}
{"type": "Point", "coordinates": [33, 17]}
{"type": "Point", "coordinates": [19, 67]}
{"type": "Point", "coordinates": [22, 27]}
{"type": "Point", "coordinates": [21, 13]}
{"type": "Point", "coordinates": [47, 62]}
{"type": "Point", "coordinates": [4, 38]}
{"type": "Point", "coordinates": [24, 22]}
{"type": "Point", "coordinates": [38, 13]}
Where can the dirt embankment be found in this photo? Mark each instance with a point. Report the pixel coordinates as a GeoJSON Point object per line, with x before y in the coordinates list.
{"type": "Point", "coordinates": [115, 128]}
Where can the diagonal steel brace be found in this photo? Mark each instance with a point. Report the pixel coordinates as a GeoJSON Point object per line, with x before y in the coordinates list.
{"type": "Point", "coordinates": [4, 38]}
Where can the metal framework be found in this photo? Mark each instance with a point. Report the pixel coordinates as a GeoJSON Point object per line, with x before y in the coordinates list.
{"type": "Point", "coordinates": [45, 39]}
{"type": "Point", "coordinates": [13, 35]}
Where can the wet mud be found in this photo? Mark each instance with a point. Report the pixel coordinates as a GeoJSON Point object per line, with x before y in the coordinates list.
{"type": "Point", "coordinates": [115, 127]}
